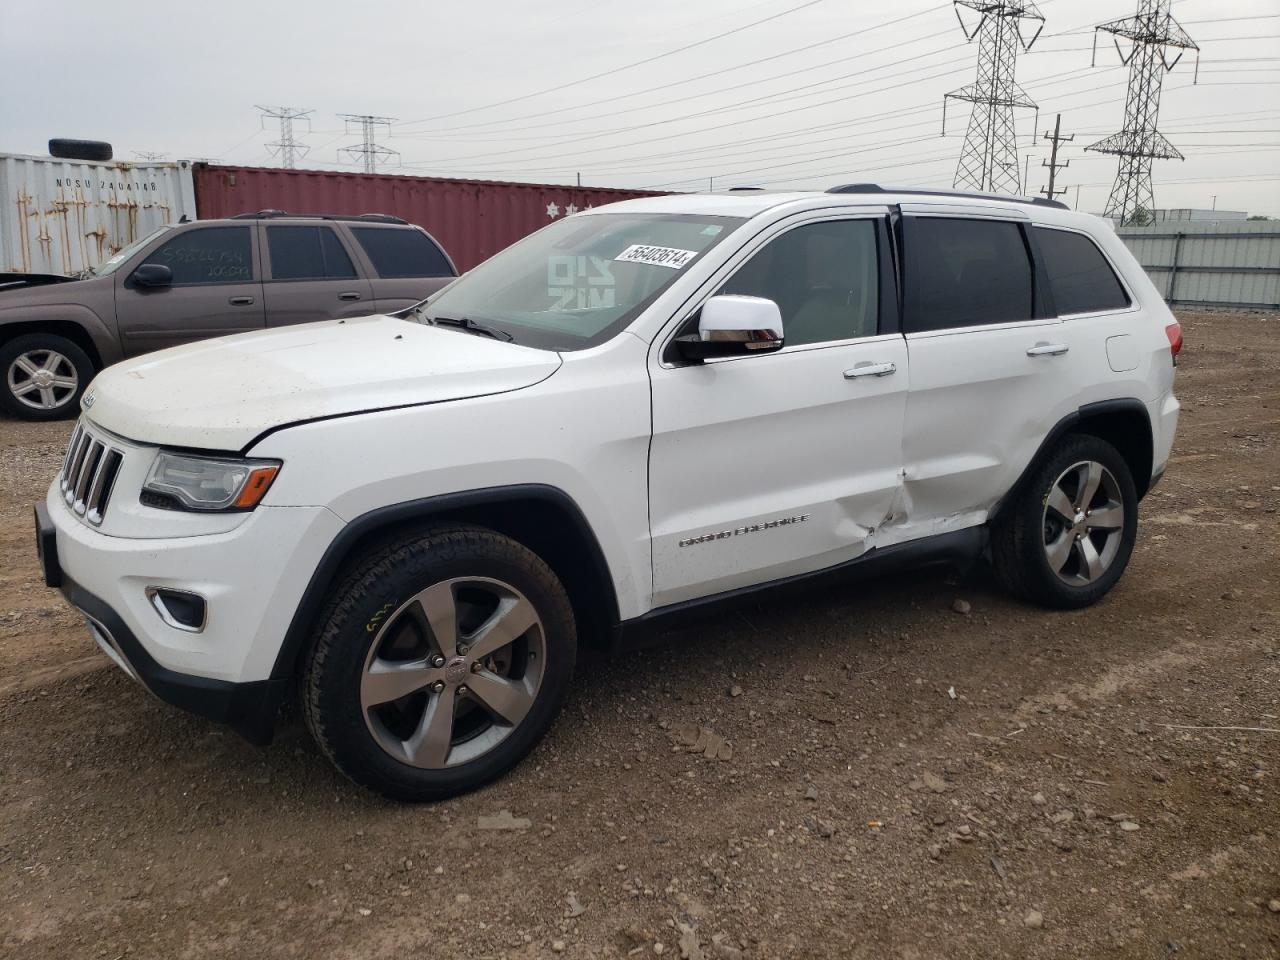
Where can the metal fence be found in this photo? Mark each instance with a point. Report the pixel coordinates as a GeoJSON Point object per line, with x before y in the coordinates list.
{"type": "Point", "coordinates": [1211, 264]}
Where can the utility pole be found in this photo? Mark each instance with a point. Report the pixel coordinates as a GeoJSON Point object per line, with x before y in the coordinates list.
{"type": "Point", "coordinates": [370, 153]}
{"type": "Point", "coordinates": [1153, 32]}
{"type": "Point", "coordinates": [287, 148]}
{"type": "Point", "coordinates": [989, 160]}
{"type": "Point", "coordinates": [1054, 166]}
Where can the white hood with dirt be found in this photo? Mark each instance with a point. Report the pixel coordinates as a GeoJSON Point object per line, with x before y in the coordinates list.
{"type": "Point", "coordinates": [221, 394]}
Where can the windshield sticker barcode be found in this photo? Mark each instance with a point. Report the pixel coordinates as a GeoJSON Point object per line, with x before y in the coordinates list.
{"type": "Point", "coordinates": [656, 256]}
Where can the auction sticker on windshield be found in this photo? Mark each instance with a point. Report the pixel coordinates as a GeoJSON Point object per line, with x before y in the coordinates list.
{"type": "Point", "coordinates": [657, 256]}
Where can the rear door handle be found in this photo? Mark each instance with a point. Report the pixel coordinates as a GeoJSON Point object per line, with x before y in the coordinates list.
{"type": "Point", "coordinates": [349, 295]}
{"type": "Point", "coordinates": [240, 301]}
{"type": "Point", "coordinates": [1047, 350]}
{"type": "Point", "coordinates": [870, 370]}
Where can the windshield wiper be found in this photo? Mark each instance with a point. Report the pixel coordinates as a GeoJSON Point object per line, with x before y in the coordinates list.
{"type": "Point", "coordinates": [465, 323]}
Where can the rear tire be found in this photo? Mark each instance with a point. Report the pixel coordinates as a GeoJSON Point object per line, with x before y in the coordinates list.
{"type": "Point", "coordinates": [441, 661]}
{"type": "Point", "coordinates": [44, 376]}
{"type": "Point", "coordinates": [1066, 536]}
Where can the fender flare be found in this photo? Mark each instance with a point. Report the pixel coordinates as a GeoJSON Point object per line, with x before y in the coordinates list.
{"type": "Point", "coordinates": [410, 512]}
{"type": "Point", "coordinates": [1127, 405]}
{"type": "Point", "coordinates": [105, 343]}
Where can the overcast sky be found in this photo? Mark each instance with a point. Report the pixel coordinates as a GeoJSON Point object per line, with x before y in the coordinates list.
{"type": "Point", "coordinates": [503, 89]}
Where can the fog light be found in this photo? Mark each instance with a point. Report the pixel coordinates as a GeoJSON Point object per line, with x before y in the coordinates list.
{"type": "Point", "coordinates": [180, 609]}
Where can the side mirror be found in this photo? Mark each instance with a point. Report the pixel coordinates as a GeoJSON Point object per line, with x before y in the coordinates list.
{"type": "Point", "coordinates": [153, 275]}
{"type": "Point", "coordinates": [733, 326]}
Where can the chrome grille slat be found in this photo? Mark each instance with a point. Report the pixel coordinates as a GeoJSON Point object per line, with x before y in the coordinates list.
{"type": "Point", "coordinates": [88, 474]}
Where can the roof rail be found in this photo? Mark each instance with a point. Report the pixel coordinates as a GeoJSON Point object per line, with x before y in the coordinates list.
{"type": "Point", "coordinates": [746, 189]}
{"type": "Point", "coordinates": [277, 214]}
{"type": "Point", "coordinates": [876, 188]}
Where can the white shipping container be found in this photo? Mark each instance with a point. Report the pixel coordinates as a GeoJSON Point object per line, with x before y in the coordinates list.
{"type": "Point", "coordinates": [65, 216]}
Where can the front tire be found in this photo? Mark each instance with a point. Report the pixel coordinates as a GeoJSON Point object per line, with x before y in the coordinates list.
{"type": "Point", "coordinates": [442, 660]}
{"type": "Point", "coordinates": [44, 376]}
{"type": "Point", "coordinates": [1066, 537]}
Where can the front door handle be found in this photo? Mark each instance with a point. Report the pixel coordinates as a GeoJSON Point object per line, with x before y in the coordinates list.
{"type": "Point", "coordinates": [1047, 350]}
{"type": "Point", "coordinates": [240, 301]}
{"type": "Point", "coordinates": [868, 369]}
{"type": "Point", "coordinates": [349, 295]}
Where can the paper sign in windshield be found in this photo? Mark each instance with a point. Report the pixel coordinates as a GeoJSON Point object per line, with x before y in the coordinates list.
{"type": "Point", "coordinates": [656, 256]}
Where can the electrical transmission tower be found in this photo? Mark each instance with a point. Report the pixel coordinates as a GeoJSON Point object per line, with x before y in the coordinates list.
{"type": "Point", "coordinates": [370, 153]}
{"type": "Point", "coordinates": [149, 155]}
{"type": "Point", "coordinates": [287, 148]}
{"type": "Point", "coordinates": [1057, 139]}
{"type": "Point", "coordinates": [989, 160]}
{"type": "Point", "coordinates": [1153, 31]}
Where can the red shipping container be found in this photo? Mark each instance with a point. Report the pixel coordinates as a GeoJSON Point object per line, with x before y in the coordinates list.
{"type": "Point", "coordinates": [473, 219]}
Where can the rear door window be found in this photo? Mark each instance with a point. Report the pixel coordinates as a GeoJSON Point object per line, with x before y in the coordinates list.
{"type": "Point", "coordinates": [397, 253]}
{"type": "Point", "coordinates": [207, 255]}
{"type": "Point", "coordinates": [964, 273]}
{"type": "Point", "coordinates": [307, 253]}
{"type": "Point", "coordinates": [1080, 277]}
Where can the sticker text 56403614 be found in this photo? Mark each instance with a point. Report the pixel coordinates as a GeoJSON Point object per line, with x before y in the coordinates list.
{"type": "Point", "coordinates": [656, 256]}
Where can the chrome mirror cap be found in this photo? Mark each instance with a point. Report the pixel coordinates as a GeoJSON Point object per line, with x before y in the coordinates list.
{"type": "Point", "coordinates": [731, 326]}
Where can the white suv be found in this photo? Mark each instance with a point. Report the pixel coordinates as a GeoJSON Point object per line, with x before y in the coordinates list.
{"type": "Point", "coordinates": [638, 412]}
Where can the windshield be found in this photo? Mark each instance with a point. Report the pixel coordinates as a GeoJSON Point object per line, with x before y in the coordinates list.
{"type": "Point", "coordinates": [116, 260]}
{"type": "Point", "coordinates": [579, 281]}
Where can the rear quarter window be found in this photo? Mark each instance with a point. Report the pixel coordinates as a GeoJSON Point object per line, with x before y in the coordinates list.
{"type": "Point", "coordinates": [402, 253]}
{"type": "Point", "coordinates": [1080, 277]}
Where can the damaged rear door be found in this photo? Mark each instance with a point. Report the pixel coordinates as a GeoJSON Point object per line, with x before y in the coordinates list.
{"type": "Point", "coordinates": [990, 362]}
{"type": "Point", "coordinates": [764, 467]}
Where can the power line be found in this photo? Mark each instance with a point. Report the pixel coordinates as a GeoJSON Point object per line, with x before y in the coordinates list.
{"type": "Point", "coordinates": [686, 81]}
{"type": "Point", "coordinates": [287, 148]}
{"type": "Point", "coordinates": [627, 66]}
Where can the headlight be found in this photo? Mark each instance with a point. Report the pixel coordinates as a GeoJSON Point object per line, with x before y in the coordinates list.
{"type": "Point", "coordinates": [205, 483]}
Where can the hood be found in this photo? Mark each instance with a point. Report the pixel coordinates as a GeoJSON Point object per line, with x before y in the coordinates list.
{"type": "Point", "coordinates": [21, 290]}
{"type": "Point", "coordinates": [221, 394]}
{"type": "Point", "coordinates": [21, 281]}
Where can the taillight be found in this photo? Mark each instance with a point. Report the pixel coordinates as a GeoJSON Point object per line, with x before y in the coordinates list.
{"type": "Point", "coordinates": [1174, 332]}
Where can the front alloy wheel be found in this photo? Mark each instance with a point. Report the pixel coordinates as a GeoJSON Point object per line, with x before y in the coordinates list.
{"type": "Point", "coordinates": [455, 670]}
{"type": "Point", "coordinates": [441, 661]}
{"type": "Point", "coordinates": [44, 376]}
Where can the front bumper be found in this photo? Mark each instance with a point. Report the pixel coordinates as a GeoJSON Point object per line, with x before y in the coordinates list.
{"type": "Point", "coordinates": [252, 578]}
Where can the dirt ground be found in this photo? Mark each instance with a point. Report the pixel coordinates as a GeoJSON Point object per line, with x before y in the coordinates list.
{"type": "Point", "coordinates": [1067, 801]}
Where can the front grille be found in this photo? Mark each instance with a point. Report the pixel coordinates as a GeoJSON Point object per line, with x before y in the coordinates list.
{"type": "Point", "coordinates": [88, 473]}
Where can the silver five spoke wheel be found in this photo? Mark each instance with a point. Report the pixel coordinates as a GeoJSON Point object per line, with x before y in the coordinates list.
{"type": "Point", "coordinates": [1083, 522]}
{"type": "Point", "coordinates": [452, 672]}
{"type": "Point", "coordinates": [42, 379]}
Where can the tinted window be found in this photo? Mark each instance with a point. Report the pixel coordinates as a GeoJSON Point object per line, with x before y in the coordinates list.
{"type": "Point", "coordinates": [402, 253]}
{"type": "Point", "coordinates": [208, 255]}
{"type": "Point", "coordinates": [307, 253]}
{"type": "Point", "coordinates": [962, 273]}
{"type": "Point", "coordinates": [823, 277]}
{"type": "Point", "coordinates": [1081, 279]}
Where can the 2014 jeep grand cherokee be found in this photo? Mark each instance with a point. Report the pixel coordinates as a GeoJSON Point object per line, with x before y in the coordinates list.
{"type": "Point", "coordinates": [637, 412]}
{"type": "Point", "coordinates": [205, 279]}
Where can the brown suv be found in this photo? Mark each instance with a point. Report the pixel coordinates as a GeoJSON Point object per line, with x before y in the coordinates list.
{"type": "Point", "coordinates": [208, 278]}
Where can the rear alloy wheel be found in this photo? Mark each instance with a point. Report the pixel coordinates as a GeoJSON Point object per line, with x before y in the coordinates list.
{"type": "Point", "coordinates": [44, 375]}
{"type": "Point", "coordinates": [1083, 523]}
{"type": "Point", "coordinates": [441, 662]}
{"type": "Point", "coordinates": [1067, 533]}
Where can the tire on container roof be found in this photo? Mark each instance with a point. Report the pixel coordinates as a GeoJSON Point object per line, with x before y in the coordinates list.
{"type": "Point", "coordinates": [65, 149]}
